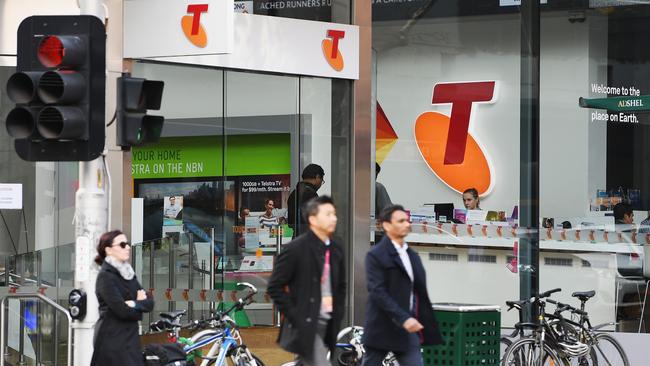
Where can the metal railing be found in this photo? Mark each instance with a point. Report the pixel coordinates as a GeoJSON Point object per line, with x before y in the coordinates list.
{"type": "Point", "coordinates": [4, 325]}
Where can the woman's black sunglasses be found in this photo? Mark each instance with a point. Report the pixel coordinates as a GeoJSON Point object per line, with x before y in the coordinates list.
{"type": "Point", "coordinates": [123, 244]}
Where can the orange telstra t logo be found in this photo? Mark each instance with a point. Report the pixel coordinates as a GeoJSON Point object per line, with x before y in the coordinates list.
{"type": "Point", "coordinates": [192, 27]}
{"type": "Point", "coordinates": [445, 143]}
{"type": "Point", "coordinates": [331, 50]}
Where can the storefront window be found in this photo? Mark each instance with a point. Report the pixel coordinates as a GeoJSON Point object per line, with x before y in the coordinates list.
{"type": "Point", "coordinates": [447, 87]}
{"type": "Point", "coordinates": [594, 185]}
{"type": "Point", "coordinates": [234, 147]}
{"type": "Point", "coordinates": [447, 122]}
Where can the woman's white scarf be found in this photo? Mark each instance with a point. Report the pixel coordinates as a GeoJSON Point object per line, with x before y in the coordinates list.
{"type": "Point", "coordinates": [125, 269]}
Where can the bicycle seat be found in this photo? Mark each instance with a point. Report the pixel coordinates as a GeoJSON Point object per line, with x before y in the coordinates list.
{"type": "Point", "coordinates": [172, 315]}
{"type": "Point", "coordinates": [584, 295]}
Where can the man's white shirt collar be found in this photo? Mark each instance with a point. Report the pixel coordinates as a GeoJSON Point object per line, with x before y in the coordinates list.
{"type": "Point", "coordinates": [401, 248]}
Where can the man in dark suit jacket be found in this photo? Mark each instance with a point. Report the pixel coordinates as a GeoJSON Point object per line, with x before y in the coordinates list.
{"type": "Point", "coordinates": [308, 286]}
{"type": "Point", "coordinates": [312, 179]}
{"type": "Point", "coordinates": [399, 316]}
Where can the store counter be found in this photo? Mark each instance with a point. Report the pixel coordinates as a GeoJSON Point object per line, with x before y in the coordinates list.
{"type": "Point", "coordinates": [483, 267]}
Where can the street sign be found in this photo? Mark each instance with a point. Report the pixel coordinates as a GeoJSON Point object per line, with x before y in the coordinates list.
{"type": "Point", "coordinates": [639, 103]}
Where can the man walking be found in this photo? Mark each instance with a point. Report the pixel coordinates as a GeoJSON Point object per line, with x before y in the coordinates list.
{"type": "Point", "coordinates": [308, 286]}
{"type": "Point", "coordinates": [399, 317]}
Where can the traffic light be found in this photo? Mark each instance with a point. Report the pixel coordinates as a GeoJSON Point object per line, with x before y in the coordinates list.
{"type": "Point", "coordinates": [134, 97]}
{"type": "Point", "coordinates": [58, 89]}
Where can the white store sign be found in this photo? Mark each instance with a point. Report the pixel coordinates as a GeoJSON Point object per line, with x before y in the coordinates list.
{"type": "Point", "coordinates": [11, 196]}
{"type": "Point", "coordinates": [177, 27]}
{"type": "Point", "coordinates": [273, 44]}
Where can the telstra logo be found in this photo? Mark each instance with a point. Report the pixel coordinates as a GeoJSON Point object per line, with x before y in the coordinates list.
{"type": "Point", "coordinates": [445, 143]}
{"type": "Point", "coordinates": [192, 27]}
{"type": "Point", "coordinates": [331, 50]}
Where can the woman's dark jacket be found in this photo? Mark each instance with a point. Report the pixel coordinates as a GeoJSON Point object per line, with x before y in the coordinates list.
{"type": "Point", "coordinates": [117, 342]}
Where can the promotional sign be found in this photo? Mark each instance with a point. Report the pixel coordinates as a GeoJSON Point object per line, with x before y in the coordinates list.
{"type": "Point", "coordinates": [252, 263]}
{"type": "Point", "coordinates": [300, 47]}
{"type": "Point", "coordinates": [177, 27]}
{"type": "Point", "coordinates": [202, 156]}
{"type": "Point", "coordinates": [11, 196]}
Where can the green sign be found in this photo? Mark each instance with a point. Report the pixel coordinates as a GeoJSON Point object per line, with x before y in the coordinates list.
{"type": "Point", "coordinates": [618, 104]}
{"type": "Point", "coordinates": [203, 156]}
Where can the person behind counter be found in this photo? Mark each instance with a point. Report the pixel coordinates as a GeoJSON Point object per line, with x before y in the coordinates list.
{"type": "Point", "coordinates": [624, 217]}
{"type": "Point", "coordinates": [471, 199]}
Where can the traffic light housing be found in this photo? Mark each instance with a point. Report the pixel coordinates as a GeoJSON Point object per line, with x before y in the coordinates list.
{"type": "Point", "coordinates": [59, 89]}
{"type": "Point", "coordinates": [134, 97]}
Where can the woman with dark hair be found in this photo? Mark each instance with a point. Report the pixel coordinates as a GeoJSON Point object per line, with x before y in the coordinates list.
{"type": "Point", "coordinates": [121, 304]}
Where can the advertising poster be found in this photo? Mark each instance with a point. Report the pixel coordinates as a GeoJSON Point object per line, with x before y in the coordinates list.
{"type": "Point", "coordinates": [173, 211]}
{"type": "Point", "coordinates": [255, 191]}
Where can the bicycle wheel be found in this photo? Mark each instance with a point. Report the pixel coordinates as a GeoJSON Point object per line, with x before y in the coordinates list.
{"type": "Point", "coordinates": [346, 356]}
{"type": "Point", "coordinates": [504, 343]}
{"type": "Point", "coordinates": [608, 352]}
{"type": "Point", "coordinates": [527, 352]}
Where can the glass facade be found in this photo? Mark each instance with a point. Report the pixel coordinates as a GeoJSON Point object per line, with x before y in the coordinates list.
{"type": "Point", "coordinates": [48, 194]}
{"type": "Point", "coordinates": [449, 102]}
{"type": "Point", "coordinates": [232, 150]}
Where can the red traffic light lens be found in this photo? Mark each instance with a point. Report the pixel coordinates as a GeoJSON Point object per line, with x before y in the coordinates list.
{"type": "Point", "coordinates": [51, 51]}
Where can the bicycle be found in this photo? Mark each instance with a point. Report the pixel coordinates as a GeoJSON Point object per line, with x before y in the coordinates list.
{"type": "Point", "coordinates": [574, 343]}
{"type": "Point", "coordinates": [349, 349]}
{"type": "Point", "coordinates": [539, 348]}
{"type": "Point", "coordinates": [220, 331]}
{"type": "Point", "coordinates": [602, 346]}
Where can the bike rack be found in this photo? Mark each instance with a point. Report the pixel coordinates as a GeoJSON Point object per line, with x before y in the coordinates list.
{"type": "Point", "coordinates": [3, 320]}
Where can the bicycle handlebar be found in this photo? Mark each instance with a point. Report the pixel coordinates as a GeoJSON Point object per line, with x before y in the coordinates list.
{"type": "Point", "coordinates": [548, 293]}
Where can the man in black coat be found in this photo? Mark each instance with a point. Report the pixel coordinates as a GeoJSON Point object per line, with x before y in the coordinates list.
{"type": "Point", "coordinates": [399, 316]}
{"type": "Point", "coordinates": [308, 286]}
{"type": "Point", "coordinates": [312, 179]}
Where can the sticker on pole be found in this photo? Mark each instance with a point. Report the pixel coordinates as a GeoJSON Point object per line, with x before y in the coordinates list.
{"type": "Point", "coordinates": [82, 259]}
{"type": "Point", "coordinates": [11, 196]}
